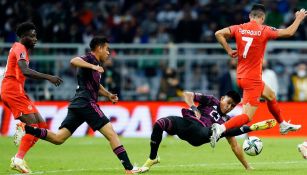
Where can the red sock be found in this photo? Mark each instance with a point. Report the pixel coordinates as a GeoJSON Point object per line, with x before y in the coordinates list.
{"type": "Point", "coordinates": [26, 143]}
{"type": "Point", "coordinates": [275, 110]}
{"type": "Point", "coordinates": [236, 121]}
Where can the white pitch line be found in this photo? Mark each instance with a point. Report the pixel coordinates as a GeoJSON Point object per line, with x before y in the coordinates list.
{"type": "Point", "coordinates": [164, 166]}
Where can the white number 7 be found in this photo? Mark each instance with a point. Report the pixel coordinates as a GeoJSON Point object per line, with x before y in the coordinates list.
{"type": "Point", "coordinates": [249, 41]}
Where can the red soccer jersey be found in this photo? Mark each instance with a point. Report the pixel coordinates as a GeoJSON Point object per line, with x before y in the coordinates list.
{"type": "Point", "coordinates": [251, 39]}
{"type": "Point", "coordinates": [14, 79]}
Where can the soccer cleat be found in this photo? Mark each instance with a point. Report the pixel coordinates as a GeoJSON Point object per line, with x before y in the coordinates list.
{"type": "Point", "coordinates": [135, 170]}
{"type": "Point", "coordinates": [19, 165]}
{"type": "Point", "coordinates": [266, 124]}
{"type": "Point", "coordinates": [147, 165]}
{"type": "Point", "coordinates": [19, 133]}
{"type": "Point", "coordinates": [216, 134]}
{"type": "Point", "coordinates": [303, 150]}
{"type": "Point", "coordinates": [285, 127]}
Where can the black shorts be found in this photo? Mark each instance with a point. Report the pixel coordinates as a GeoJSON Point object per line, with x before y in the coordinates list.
{"type": "Point", "coordinates": [91, 114]}
{"type": "Point", "coordinates": [190, 130]}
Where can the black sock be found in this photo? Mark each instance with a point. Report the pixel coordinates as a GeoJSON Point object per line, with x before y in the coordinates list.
{"type": "Point", "coordinates": [155, 141]}
{"type": "Point", "coordinates": [123, 157]}
{"type": "Point", "coordinates": [236, 131]}
{"type": "Point", "coordinates": [37, 132]}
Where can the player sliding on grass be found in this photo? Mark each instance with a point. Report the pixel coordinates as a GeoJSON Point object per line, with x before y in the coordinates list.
{"type": "Point", "coordinates": [251, 39]}
{"type": "Point", "coordinates": [13, 94]}
{"type": "Point", "coordinates": [195, 125]}
{"type": "Point", "coordinates": [84, 107]}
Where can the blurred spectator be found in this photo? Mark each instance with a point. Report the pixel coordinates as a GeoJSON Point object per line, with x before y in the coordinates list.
{"type": "Point", "coordinates": [298, 83]}
{"type": "Point", "coordinates": [228, 80]}
{"type": "Point", "coordinates": [269, 77]}
{"type": "Point", "coordinates": [169, 87]}
{"type": "Point", "coordinates": [110, 78]}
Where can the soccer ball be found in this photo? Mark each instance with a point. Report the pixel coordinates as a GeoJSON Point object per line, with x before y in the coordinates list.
{"type": "Point", "coordinates": [252, 146]}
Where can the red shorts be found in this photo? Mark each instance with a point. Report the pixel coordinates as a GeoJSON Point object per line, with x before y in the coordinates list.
{"type": "Point", "coordinates": [252, 90]}
{"type": "Point", "coordinates": [19, 104]}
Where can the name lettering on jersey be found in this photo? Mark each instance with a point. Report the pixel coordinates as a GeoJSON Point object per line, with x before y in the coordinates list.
{"type": "Point", "coordinates": [250, 32]}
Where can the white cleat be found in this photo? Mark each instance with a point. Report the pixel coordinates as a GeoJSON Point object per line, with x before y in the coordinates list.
{"type": "Point", "coordinates": [285, 127]}
{"type": "Point", "coordinates": [303, 150]}
{"type": "Point", "coordinates": [135, 170]}
{"type": "Point", "coordinates": [149, 163]}
{"type": "Point", "coordinates": [19, 133]}
{"type": "Point", "coordinates": [216, 134]}
{"type": "Point", "coordinates": [19, 165]}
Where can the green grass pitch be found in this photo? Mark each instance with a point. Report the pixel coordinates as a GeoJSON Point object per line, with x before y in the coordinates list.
{"type": "Point", "coordinates": [89, 155]}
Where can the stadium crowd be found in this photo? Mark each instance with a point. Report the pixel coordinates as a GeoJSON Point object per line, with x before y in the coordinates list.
{"type": "Point", "coordinates": [151, 21]}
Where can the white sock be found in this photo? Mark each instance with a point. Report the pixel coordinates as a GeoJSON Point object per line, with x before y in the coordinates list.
{"type": "Point", "coordinates": [223, 128]}
{"type": "Point", "coordinates": [305, 143]}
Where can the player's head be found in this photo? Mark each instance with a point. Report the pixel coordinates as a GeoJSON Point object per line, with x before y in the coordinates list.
{"type": "Point", "coordinates": [100, 47]}
{"type": "Point", "coordinates": [257, 13]}
{"type": "Point", "coordinates": [229, 101]}
{"type": "Point", "coordinates": [27, 33]}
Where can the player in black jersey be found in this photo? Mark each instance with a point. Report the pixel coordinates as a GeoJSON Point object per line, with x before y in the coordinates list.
{"type": "Point", "coordinates": [84, 107]}
{"type": "Point", "coordinates": [195, 125]}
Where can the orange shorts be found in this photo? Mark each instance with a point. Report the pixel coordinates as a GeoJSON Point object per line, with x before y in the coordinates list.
{"type": "Point", "coordinates": [19, 104]}
{"type": "Point", "coordinates": [252, 90]}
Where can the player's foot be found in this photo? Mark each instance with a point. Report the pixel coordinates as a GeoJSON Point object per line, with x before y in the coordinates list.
{"type": "Point", "coordinates": [19, 165]}
{"type": "Point", "coordinates": [19, 133]}
{"type": "Point", "coordinates": [303, 150]}
{"type": "Point", "coordinates": [266, 124]}
{"type": "Point", "coordinates": [285, 127]}
{"type": "Point", "coordinates": [135, 170]}
{"type": "Point", "coordinates": [147, 165]}
{"type": "Point", "coordinates": [216, 134]}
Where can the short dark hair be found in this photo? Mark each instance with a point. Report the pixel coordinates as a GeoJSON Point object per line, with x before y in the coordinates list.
{"type": "Point", "coordinates": [98, 40]}
{"type": "Point", "coordinates": [234, 95]}
{"type": "Point", "coordinates": [24, 28]}
{"type": "Point", "coordinates": [257, 10]}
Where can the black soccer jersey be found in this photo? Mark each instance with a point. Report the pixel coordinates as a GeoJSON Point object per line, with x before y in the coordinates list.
{"type": "Point", "coordinates": [88, 83]}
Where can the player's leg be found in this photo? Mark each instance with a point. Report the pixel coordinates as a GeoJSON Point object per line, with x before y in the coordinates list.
{"type": "Point", "coordinates": [67, 128]}
{"type": "Point", "coordinates": [251, 93]}
{"type": "Point", "coordinates": [168, 124]}
{"type": "Point", "coordinates": [274, 109]}
{"type": "Point", "coordinates": [263, 125]}
{"type": "Point", "coordinates": [98, 121]}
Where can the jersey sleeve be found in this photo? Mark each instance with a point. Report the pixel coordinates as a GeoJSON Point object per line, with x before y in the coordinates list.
{"type": "Point", "coordinates": [202, 99]}
{"type": "Point", "coordinates": [86, 58]}
{"type": "Point", "coordinates": [233, 30]}
{"type": "Point", "coordinates": [271, 32]}
{"type": "Point", "coordinates": [20, 53]}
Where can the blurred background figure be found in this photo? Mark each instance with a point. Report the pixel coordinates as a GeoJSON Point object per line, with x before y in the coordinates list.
{"type": "Point", "coordinates": [298, 83]}
{"type": "Point", "coordinates": [228, 80]}
{"type": "Point", "coordinates": [169, 87]}
{"type": "Point", "coordinates": [269, 77]}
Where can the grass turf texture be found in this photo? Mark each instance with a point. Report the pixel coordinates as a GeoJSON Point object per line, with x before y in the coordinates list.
{"type": "Point", "coordinates": [88, 155]}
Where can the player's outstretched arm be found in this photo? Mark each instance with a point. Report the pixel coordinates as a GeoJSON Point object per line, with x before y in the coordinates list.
{"type": "Point", "coordinates": [237, 150]}
{"type": "Point", "coordinates": [103, 92]}
{"type": "Point", "coordinates": [79, 62]}
{"type": "Point", "coordinates": [37, 75]}
{"type": "Point", "coordinates": [221, 36]}
{"type": "Point", "coordinates": [289, 31]}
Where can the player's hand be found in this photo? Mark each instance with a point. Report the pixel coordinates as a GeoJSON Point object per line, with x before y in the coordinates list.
{"type": "Point", "coordinates": [113, 98]}
{"type": "Point", "coordinates": [196, 111]}
{"type": "Point", "coordinates": [233, 53]}
{"type": "Point", "coordinates": [301, 14]}
{"type": "Point", "coordinates": [98, 68]}
{"type": "Point", "coordinates": [55, 80]}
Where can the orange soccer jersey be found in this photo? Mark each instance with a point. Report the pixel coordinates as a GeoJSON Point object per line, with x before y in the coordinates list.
{"type": "Point", "coordinates": [251, 39]}
{"type": "Point", "coordinates": [12, 89]}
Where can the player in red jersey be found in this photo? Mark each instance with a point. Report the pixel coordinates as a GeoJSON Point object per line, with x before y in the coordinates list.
{"type": "Point", "coordinates": [13, 94]}
{"type": "Point", "coordinates": [251, 39]}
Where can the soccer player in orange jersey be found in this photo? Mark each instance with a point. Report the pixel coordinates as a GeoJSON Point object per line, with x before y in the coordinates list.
{"type": "Point", "coordinates": [13, 94]}
{"type": "Point", "coordinates": [251, 39]}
